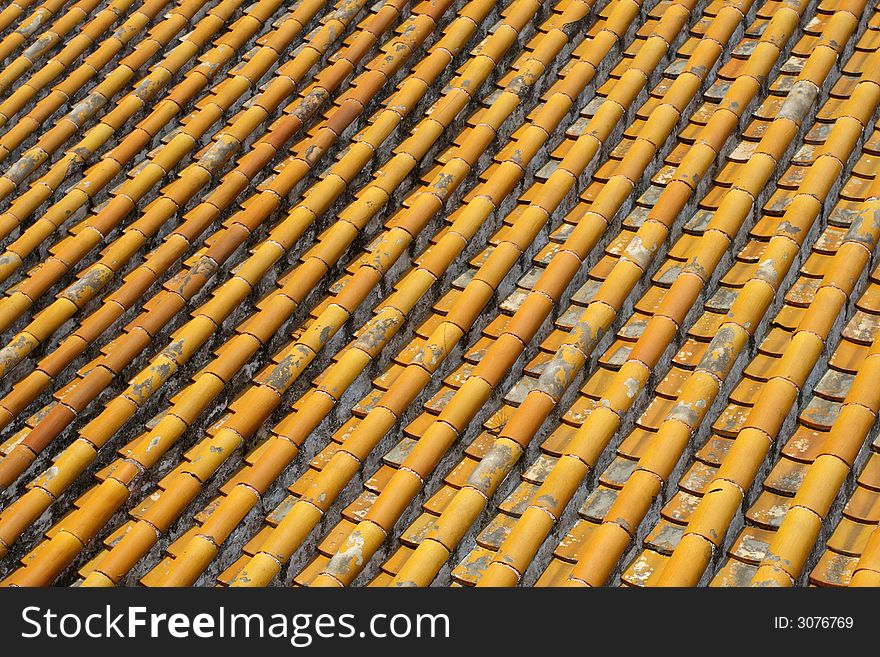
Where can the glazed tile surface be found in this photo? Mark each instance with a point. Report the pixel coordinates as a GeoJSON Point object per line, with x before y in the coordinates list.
{"type": "Point", "coordinates": [456, 293]}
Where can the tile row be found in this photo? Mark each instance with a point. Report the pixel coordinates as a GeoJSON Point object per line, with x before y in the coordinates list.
{"type": "Point", "coordinates": [316, 261]}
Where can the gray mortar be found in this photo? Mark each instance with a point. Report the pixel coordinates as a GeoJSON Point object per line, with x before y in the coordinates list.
{"type": "Point", "coordinates": [534, 448]}
{"type": "Point", "coordinates": [47, 23]}
{"type": "Point", "coordinates": [81, 93]}
{"type": "Point", "coordinates": [132, 431]}
{"type": "Point", "coordinates": [277, 491]}
{"type": "Point", "coordinates": [451, 458]}
{"type": "Point", "coordinates": [243, 377]}
{"type": "Point", "coordinates": [835, 513]}
{"type": "Point", "coordinates": [103, 196]}
{"type": "Point", "coordinates": [313, 368]}
{"type": "Point", "coordinates": [202, 295]}
{"type": "Point", "coordinates": [721, 400]}
{"type": "Point", "coordinates": [455, 454]}
{"type": "Point", "coordinates": [539, 563]}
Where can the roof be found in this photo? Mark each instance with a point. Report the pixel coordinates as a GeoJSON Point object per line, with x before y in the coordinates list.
{"type": "Point", "coordinates": [457, 293]}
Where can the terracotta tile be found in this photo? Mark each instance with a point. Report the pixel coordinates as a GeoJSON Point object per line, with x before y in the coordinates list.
{"type": "Point", "coordinates": [833, 569]}
{"type": "Point", "coordinates": [401, 282]}
{"type": "Point", "coordinates": [734, 573]}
